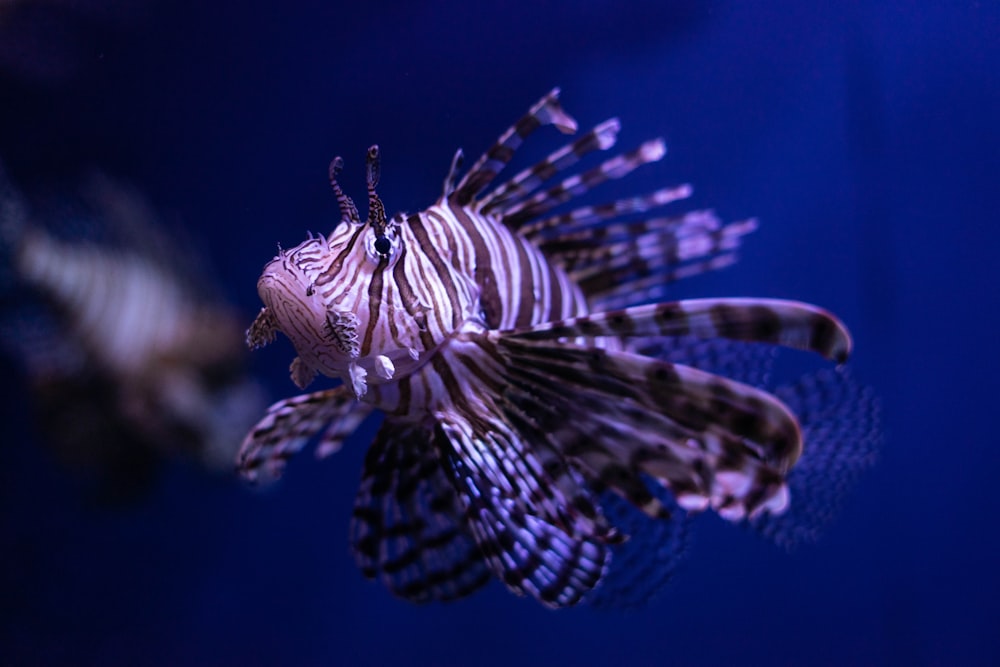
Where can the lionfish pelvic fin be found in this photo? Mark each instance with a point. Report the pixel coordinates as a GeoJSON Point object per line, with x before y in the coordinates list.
{"type": "Point", "coordinates": [289, 424]}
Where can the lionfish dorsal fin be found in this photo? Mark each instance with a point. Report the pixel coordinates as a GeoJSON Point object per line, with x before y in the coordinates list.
{"type": "Point", "coordinates": [451, 178]}
{"type": "Point", "coordinates": [546, 111]}
{"type": "Point", "coordinates": [601, 137]}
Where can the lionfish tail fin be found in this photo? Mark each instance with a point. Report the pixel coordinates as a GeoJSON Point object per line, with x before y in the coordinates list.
{"type": "Point", "coordinates": [407, 528]}
{"type": "Point", "coordinates": [289, 424]}
{"type": "Point", "coordinates": [791, 324]}
{"type": "Point", "coordinates": [842, 431]}
{"type": "Point", "coordinates": [546, 111]}
{"type": "Point", "coordinates": [620, 417]}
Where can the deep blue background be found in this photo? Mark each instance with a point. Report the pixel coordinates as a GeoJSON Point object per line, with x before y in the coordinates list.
{"type": "Point", "coordinates": [863, 134]}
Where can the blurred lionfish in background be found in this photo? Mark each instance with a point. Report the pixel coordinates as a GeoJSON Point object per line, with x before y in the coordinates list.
{"type": "Point", "coordinates": [130, 355]}
{"type": "Point", "coordinates": [526, 372]}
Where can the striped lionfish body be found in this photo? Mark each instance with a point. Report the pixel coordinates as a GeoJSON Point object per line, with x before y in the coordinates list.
{"type": "Point", "coordinates": [499, 338]}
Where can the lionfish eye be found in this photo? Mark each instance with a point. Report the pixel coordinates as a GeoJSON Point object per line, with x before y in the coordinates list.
{"type": "Point", "coordinates": [382, 246]}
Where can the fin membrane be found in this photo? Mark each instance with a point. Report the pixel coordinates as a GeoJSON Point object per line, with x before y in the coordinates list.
{"type": "Point", "coordinates": [791, 324]}
{"type": "Point", "coordinates": [617, 416]}
{"type": "Point", "coordinates": [289, 424]}
{"type": "Point", "coordinates": [539, 534]}
{"type": "Point", "coordinates": [407, 529]}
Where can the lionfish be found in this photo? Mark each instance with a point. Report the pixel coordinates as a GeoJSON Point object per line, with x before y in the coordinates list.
{"type": "Point", "coordinates": [500, 339]}
{"type": "Point", "coordinates": [127, 351]}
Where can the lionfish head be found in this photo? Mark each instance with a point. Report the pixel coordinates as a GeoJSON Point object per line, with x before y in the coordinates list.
{"type": "Point", "coordinates": [336, 298]}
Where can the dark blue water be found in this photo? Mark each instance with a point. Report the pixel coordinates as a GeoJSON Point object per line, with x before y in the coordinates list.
{"type": "Point", "coordinates": [864, 136]}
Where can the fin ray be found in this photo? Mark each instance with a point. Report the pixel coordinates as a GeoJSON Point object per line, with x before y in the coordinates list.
{"type": "Point", "coordinates": [531, 533]}
{"type": "Point", "coordinates": [709, 439]}
{"type": "Point", "coordinates": [407, 528]}
{"type": "Point", "coordinates": [546, 111]}
{"type": "Point", "coordinates": [289, 424]}
{"type": "Point", "coordinates": [791, 324]}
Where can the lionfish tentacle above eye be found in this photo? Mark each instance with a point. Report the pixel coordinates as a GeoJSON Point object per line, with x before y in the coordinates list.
{"type": "Point", "coordinates": [376, 211]}
{"type": "Point", "coordinates": [501, 340]}
{"type": "Point", "coordinates": [348, 211]}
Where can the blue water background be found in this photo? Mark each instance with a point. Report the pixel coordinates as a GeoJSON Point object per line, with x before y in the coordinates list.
{"type": "Point", "coordinates": [864, 135]}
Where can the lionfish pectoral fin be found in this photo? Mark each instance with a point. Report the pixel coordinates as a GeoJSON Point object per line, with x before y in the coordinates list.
{"type": "Point", "coordinates": [290, 423]}
{"type": "Point", "coordinates": [619, 416]}
{"type": "Point", "coordinates": [263, 330]}
{"type": "Point", "coordinates": [407, 528]}
{"type": "Point", "coordinates": [538, 531]}
{"type": "Point", "coordinates": [791, 324]}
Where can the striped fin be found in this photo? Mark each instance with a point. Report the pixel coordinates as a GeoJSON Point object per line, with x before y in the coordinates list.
{"type": "Point", "coordinates": [601, 137]}
{"type": "Point", "coordinates": [776, 321]}
{"type": "Point", "coordinates": [546, 111]}
{"type": "Point", "coordinates": [535, 537]}
{"type": "Point", "coordinates": [710, 440]}
{"type": "Point", "coordinates": [521, 212]}
{"type": "Point", "coordinates": [614, 262]}
{"type": "Point", "coordinates": [657, 287]}
{"type": "Point", "coordinates": [748, 363]}
{"type": "Point", "coordinates": [573, 245]}
{"type": "Point", "coordinates": [289, 424]}
{"type": "Point", "coordinates": [590, 217]}
{"type": "Point", "coordinates": [407, 528]}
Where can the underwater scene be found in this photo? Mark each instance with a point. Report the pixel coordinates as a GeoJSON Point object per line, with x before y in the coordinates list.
{"type": "Point", "coordinates": [457, 333]}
